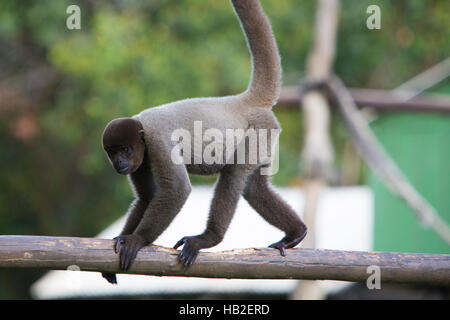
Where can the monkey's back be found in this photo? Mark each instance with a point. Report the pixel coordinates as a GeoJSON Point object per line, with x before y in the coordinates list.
{"type": "Point", "coordinates": [196, 116]}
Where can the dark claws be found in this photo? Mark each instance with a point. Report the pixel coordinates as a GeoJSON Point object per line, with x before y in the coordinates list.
{"type": "Point", "coordinates": [179, 243]}
{"type": "Point", "coordinates": [287, 243]}
{"type": "Point", "coordinates": [127, 256]}
{"type": "Point", "coordinates": [188, 254]}
{"type": "Point", "coordinates": [117, 243]}
{"type": "Point", "coordinates": [123, 257]}
{"type": "Point", "coordinates": [280, 247]}
{"type": "Point", "coordinates": [127, 246]}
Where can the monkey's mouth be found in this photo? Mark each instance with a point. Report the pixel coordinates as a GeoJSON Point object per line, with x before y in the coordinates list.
{"type": "Point", "coordinates": [123, 170]}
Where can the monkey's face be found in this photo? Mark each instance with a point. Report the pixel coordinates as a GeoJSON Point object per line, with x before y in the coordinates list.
{"type": "Point", "coordinates": [123, 141]}
{"type": "Point", "coordinates": [123, 158]}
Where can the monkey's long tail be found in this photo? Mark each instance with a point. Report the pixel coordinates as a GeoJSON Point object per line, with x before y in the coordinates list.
{"type": "Point", "coordinates": [265, 82]}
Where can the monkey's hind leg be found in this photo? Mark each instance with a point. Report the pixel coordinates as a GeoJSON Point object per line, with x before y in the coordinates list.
{"type": "Point", "coordinates": [275, 211]}
{"type": "Point", "coordinates": [226, 196]}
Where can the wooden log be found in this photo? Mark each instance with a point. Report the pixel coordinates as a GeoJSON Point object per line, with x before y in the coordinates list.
{"type": "Point", "coordinates": [91, 254]}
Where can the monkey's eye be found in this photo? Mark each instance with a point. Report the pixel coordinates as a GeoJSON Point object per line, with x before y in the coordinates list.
{"type": "Point", "coordinates": [125, 149]}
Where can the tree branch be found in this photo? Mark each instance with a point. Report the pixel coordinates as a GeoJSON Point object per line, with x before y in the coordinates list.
{"type": "Point", "coordinates": [261, 263]}
{"type": "Point", "coordinates": [383, 100]}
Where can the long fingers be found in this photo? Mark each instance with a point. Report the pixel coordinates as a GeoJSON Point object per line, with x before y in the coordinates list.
{"type": "Point", "coordinates": [127, 255]}
{"type": "Point", "coordinates": [117, 244]}
{"type": "Point", "coordinates": [127, 247]}
{"type": "Point", "coordinates": [188, 254]}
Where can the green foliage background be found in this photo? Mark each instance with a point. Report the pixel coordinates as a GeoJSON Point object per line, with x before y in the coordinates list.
{"type": "Point", "coordinates": [130, 55]}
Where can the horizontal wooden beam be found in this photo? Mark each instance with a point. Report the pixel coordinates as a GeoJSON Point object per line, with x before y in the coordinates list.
{"type": "Point", "coordinates": [382, 100]}
{"type": "Point", "coordinates": [91, 254]}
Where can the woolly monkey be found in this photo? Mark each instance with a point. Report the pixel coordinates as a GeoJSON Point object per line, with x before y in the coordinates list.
{"type": "Point", "coordinates": [142, 146]}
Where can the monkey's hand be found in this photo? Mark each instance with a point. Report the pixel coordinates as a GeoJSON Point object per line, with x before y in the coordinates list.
{"type": "Point", "coordinates": [189, 252]}
{"type": "Point", "coordinates": [127, 246]}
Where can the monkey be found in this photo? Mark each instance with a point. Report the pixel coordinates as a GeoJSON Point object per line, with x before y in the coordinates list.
{"type": "Point", "coordinates": [141, 147]}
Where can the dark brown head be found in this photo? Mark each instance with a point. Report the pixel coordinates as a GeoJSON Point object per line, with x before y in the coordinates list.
{"type": "Point", "coordinates": [123, 141]}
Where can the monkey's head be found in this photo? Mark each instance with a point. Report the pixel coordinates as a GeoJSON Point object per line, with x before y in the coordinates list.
{"type": "Point", "coordinates": [123, 141]}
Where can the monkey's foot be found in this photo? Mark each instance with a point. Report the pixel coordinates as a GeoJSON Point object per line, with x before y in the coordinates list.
{"type": "Point", "coordinates": [189, 252]}
{"type": "Point", "coordinates": [127, 246]}
{"type": "Point", "coordinates": [110, 277]}
{"type": "Point", "coordinates": [286, 243]}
